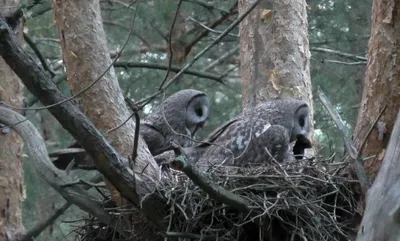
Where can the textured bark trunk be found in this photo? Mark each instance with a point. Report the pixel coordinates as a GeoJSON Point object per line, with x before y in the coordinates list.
{"type": "Point", "coordinates": [12, 189]}
{"type": "Point", "coordinates": [85, 55]}
{"type": "Point", "coordinates": [381, 220]}
{"type": "Point", "coordinates": [274, 53]}
{"type": "Point", "coordinates": [381, 85]}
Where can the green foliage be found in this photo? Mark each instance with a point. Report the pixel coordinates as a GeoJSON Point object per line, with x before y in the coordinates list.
{"type": "Point", "coordinates": [343, 26]}
{"type": "Point", "coordinates": [340, 25]}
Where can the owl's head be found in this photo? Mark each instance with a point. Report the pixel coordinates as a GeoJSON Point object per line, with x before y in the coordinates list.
{"type": "Point", "coordinates": [185, 112]}
{"type": "Point", "coordinates": [197, 112]}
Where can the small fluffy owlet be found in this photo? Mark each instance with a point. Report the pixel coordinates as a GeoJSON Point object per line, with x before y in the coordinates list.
{"type": "Point", "coordinates": [177, 119]}
{"type": "Point", "coordinates": [257, 135]}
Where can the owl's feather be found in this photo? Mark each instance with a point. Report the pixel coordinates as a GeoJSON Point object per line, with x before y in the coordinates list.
{"type": "Point", "coordinates": [257, 135]}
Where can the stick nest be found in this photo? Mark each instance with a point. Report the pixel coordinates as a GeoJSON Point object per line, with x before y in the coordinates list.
{"type": "Point", "coordinates": [305, 201]}
{"type": "Point", "coordinates": [291, 202]}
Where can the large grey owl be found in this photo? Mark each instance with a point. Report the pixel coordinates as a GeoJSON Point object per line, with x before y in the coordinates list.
{"type": "Point", "coordinates": [257, 134]}
{"type": "Point", "coordinates": [176, 119]}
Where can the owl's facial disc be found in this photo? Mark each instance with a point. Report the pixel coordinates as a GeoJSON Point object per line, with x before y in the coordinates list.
{"type": "Point", "coordinates": [197, 112]}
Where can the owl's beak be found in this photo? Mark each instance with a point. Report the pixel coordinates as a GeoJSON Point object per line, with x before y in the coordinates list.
{"type": "Point", "coordinates": [200, 125]}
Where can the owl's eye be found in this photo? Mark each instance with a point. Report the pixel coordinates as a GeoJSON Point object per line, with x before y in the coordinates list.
{"type": "Point", "coordinates": [301, 121]}
{"type": "Point", "coordinates": [199, 111]}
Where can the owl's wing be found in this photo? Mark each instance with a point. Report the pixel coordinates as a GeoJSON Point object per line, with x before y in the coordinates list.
{"type": "Point", "coordinates": [226, 143]}
{"type": "Point", "coordinates": [217, 133]}
{"type": "Point", "coordinates": [155, 141]}
{"type": "Point", "coordinates": [247, 142]}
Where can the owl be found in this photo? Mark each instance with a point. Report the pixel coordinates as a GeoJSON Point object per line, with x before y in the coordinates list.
{"type": "Point", "coordinates": [176, 119]}
{"type": "Point", "coordinates": [256, 136]}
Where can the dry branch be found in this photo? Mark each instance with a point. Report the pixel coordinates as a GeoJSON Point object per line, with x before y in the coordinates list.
{"type": "Point", "coordinates": [33, 233]}
{"type": "Point", "coordinates": [359, 167]}
{"type": "Point", "coordinates": [55, 178]}
{"type": "Point", "coordinates": [339, 53]}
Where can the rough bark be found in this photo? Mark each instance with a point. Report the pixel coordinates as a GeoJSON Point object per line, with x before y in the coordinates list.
{"type": "Point", "coordinates": [83, 43]}
{"type": "Point", "coordinates": [274, 53]}
{"type": "Point", "coordinates": [381, 221]}
{"type": "Point", "coordinates": [381, 85]}
{"type": "Point", "coordinates": [12, 189]}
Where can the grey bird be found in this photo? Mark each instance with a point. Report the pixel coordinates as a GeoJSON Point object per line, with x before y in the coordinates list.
{"type": "Point", "coordinates": [176, 119]}
{"type": "Point", "coordinates": [256, 136]}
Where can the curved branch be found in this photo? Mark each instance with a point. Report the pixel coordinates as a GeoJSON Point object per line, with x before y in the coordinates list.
{"type": "Point", "coordinates": [55, 178]}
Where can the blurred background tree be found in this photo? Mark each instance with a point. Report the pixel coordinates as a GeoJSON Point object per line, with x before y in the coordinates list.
{"type": "Point", "coordinates": [338, 35]}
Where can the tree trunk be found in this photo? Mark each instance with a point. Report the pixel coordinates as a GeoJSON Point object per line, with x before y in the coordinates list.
{"type": "Point", "coordinates": [84, 48]}
{"type": "Point", "coordinates": [381, 85]}
{"type": "Point", "coordinates": [274, 53]}
{"type": "Point", "coordinates": [12, 189]}
{"type": "Point", "coordinates": [381, 221]}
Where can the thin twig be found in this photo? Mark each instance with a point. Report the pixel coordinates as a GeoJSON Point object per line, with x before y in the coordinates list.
{"type": "Point", "coordinates": [339, 53]}
{"type": "Point", "coordinates": [171, 52]}
{"type": "Point", "coordinates": [38, 229]}
{"type": "Point", "coordinates": [216, 41]}
{"type": "Point", "coordinates": [125, 64]}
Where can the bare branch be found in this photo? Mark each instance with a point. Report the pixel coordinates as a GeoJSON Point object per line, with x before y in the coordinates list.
{"type": "Point", "coordinates": [345, 63]}
{"type": "Point", "coordinates": [217, 40]}
{"type": "Point", "coordinates": [39, 54]}
{"type": "Point", "coordinates": [210, 29]}
{"type": "Point", "coordinates": [54, 177]}
{"type": "Point", "coordinates": [338, 53]}
{"type": "Point", "coordinates": [359, 166]}
{"type": "Point", "coordinates": [38, 229]}
{"type": "Point", "coordinates": [222, 58]}
{"type": "Point", "coordinates": [205, 32]}
{"type": "Point", "coordinates": [122, 64]}
{"type": "Point", "coordinates": [207, 5]}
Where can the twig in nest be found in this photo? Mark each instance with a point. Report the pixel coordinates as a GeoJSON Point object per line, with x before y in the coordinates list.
{"type": "Point", "coordinates": [189, 236]}
{"type": "Point", "coordinates": [182, 163]}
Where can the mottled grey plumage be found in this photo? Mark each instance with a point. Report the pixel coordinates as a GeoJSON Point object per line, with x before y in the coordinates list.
{"type": "Point", "coordinates": [185, 112]}
{"type": "Point", "coordinates": [258, 132]}
{"type": "Point", "coordinates": [177, 119]}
